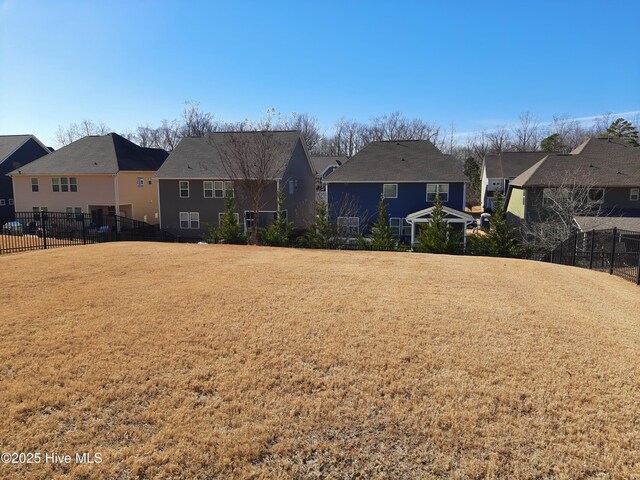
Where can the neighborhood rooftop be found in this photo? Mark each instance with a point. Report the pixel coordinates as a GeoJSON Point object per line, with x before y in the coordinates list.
{"type": "Point", "coordinates": [10, 143]}
{"type": "Point", "coordinates": [321, 163]}
{"type": "Point", "coordinates": [600, 162]}
{"type": "Point", "coordinates": [201, 157]}
{"type": "Point", "coordinates": [399, 161]}
{"type": "Point", "coordinates": [99, 154]}
{"type": "Point", "coordinates": [510, 164]}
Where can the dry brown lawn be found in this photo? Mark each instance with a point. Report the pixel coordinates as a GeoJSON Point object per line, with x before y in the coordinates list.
{"type": "Point", "coordinates": [205, 361]}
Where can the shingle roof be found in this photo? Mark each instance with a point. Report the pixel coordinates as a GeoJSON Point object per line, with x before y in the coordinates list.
{"type": "Point", "coordinates": [320, 163]}
{"type": "Point", "coordinates": [100, 154]}
{"type": "Point", "coordinates": [403, 161]}
{"type": "Point", "coordinates": [510, 164]}
{"type": "Point", "coordinates": [606, 223]}
{"type": "Point", "coordinates": [10, 143]}
{"type": "Point", "coordinates": [598, 162]}
{"type": "Point", "coordinates": [202, 157]}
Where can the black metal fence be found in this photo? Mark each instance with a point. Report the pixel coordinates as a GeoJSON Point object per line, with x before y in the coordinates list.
{"type": "Point", "coordinates": [42, 230]}
{"type": "Point", "coordinates": [614, 251]}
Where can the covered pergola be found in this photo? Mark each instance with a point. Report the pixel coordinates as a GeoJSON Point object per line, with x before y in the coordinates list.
{"type": "Point", "coordinates": [451, 216]}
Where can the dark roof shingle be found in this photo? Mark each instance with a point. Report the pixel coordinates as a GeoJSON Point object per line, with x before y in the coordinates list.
{"type": "Point", "coordinates": [599, 162]}
{"type": "Point", "coordinates": [399, 161]}
{"type": "Point", "coordinates": [201, 157]}
{"type": "Point", "coordinates": [100, 154]}
{"type": "Point", "coordinates": [321, 163]}
{"type": "Point", "coordinates": [511, 164]}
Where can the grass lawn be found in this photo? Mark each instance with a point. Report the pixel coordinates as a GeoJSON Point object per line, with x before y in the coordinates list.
{"type": "Point", "coordinates": [203, 361]}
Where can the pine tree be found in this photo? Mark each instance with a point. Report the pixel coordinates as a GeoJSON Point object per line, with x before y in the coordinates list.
{"type": "Point", "coordinates": [230, 231]}
{"type": "Point", "coordinates": [437, 236]}
{"type": "Point", "coordinates": [500, 240]}
{"type": "Point", "coordinates": [321, 234]}
{"type": "Point", "coordinates": [381, 236]}
{"type": "Point", "coordinates": [624, 129]}
{"type": "Point", "coordinates": [279, 232]}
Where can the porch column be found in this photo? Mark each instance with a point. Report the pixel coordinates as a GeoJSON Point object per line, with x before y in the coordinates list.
{"type": "Point", "coordinates": [413, 233]}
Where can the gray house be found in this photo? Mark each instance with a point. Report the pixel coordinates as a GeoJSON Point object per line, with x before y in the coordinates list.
{"type": "Point", "coordinates": [194, 180]}
{"type": "Point", "coordinates": [500, 169]}
{"type": "Point", "coordinates": [610, 168]}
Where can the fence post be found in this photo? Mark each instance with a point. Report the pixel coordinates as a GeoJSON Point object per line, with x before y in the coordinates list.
{"type": "Point", "coordinates": [638, 279]}
{"type": "Point", "coordinates": [613, 249]}
{"type": "Point", "coordinates": [561, 260]}
{"type": "Point", "coordinates": [84, 231]}
{"type": "Point", "coordinates": [593, 233]}
{"type": "Point", "coordinates": [43, 218]}
{"type": "Point", "coordinates": [575, 247]}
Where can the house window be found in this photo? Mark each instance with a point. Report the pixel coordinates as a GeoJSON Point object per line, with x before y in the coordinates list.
{"type": "Point", "coordinates": [390, 190]}
{"type": "Point", "coordinates": [39, 209]}
{"type": "Point", "coordinates": [293, 186]}
{"type": "Point", "coordinates": [635, 194]}
{"type": "Point", "coordinates": [396, 226]}
{"type": "Point", "coordinates": [11, 201]}
{"type": "Point", "coordinates": [249, 218]}
{"type": "Point", "coordinates": [236, 217]}
{"type": "Point", "coordinates": [73, 210]}
{"type": "Point", "coordinates": [596, 195]}
{"type": "Point", "coordinates": [34, 185]}
{"type": "Point", "coordinates": [208, 189]}
{"type": "Point", "coordinates": [63, 184]}
{"type": "Point", "coordinates": [218, 189]}
{"type": "Point", "coordinates": [228, 188]}
{"type": "Point", "coordinates": [140, 182]}
{"type": "Point", "coordinates": [184, 189]}
{"type": "Point", "coordinates": [348, 225]}
{"type": "Point", "coordinates": [438, 190]}
{"type": "Point", "coordinates": [190, 220]}
{"type": "Point", "coordinates": [2, 202]}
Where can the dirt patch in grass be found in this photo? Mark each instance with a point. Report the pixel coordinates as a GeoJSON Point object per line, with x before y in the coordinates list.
{"type": "Point", "coordinates": [198, 361]}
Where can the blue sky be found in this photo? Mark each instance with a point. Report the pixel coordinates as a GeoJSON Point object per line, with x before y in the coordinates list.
{"type": "Point", "coordinates": [479, 64]}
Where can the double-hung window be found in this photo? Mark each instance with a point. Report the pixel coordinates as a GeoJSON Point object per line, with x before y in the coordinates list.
{"type": "Point", "coordinates": [236, 217]}
{"type": "Point", "coordinates": [208, 189]}
{"type": "Point", "coordinates": [34, 185]}
{"type": "Point", "coordinates": [293, 186]}
{"type": "Point", "coordinates": [190, 220]}
{"type": "Point", "coordinates": [634, 196]}
{"type": "Point", "coordinates": [228, 189]}
{"type": "Point", "coordinates": [348, 225]}
{"type": "Point", "coordinates": [438, 190]}
{"type": "Point", "coordinates": [396, 226]}
{"type": "Point", "coordinates": [62, 184]}
{"type": "Point", "coordinates": [218, 189]}
{"type": "Point", "coordinates": [184, 189]}
{"type": "Point", "coordinates": [249, 218]}
{"type": "Point", "coordinates": [390, 190]}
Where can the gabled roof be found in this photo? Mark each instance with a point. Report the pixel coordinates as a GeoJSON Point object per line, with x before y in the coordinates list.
{"type": "Point", "coordinates": [99, 154]}
{"type": "Point", "coordinates": [630, 223]}
{"type": "Point", "coordinates": [321, 163]}
{"type": "Point", "coordinates": [202, 157]}
{"type": "Point", "coordinates": [10, 143]}
{"type": "Point", "coordinates": [450, 212]}
{"type": "Point", "coordinates": [399, 161]}
{"type": "Point", "coordinates": [598, 162]}
{"type": "Point", "coordinates": [510, 164]}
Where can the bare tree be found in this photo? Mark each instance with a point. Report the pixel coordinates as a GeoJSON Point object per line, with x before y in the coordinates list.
{"type": "Point", "coordinates": [575, 194]}
{"type": "Point", "coordinates": [499, 140]}
{"type": "Point", "coordinates": [308, 127]}
{"type": "Point", "coordinates": [75, 131]}
{"type": "Point", "coordinates": [526, 135]}
{"type": "Point", "coordinates": [195, 122]}
{"type": "Point", "coordinates": [252, 160]}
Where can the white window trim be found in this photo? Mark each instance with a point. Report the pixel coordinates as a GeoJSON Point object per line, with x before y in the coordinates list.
{"type": "Point", "coordinates": [438, 193]}
{"type": "Point", "coordinates": [36, 184]}
{"type": "Point", "coordinates": [140, 182]}
{"type": "Point", "coordinates": [180, 188]}
{"type": "Point", "coordinates": [349, 224]}
{"type": "Point", "coordinates": [2, 202]}
{"type": "Point", "coordinates": [398, 227]}
{"type": "Point", "coordinates": [634, 194]}
{"type": "Point", "coordinates": [235, 215]}
{"type": "Point", "coordinates": [197, 214]}
{"type": "Point", "coordinates": [207, 186]}
{"type": "Point", "coordinates": [11, 202]}
{"type": "Point", "coordinates": [389, 184]}
{"type": "Point", "coordinates": [218, 189]}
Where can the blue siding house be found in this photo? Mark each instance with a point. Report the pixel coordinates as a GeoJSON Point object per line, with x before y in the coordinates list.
{"type": "Point", "coordinates": [15, 152]}
{"type": "Point", "coordinates": [408, 174]}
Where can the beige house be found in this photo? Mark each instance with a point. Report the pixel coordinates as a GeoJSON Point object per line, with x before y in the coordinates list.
{"type": "Point", "coordinates": [101, 175]}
